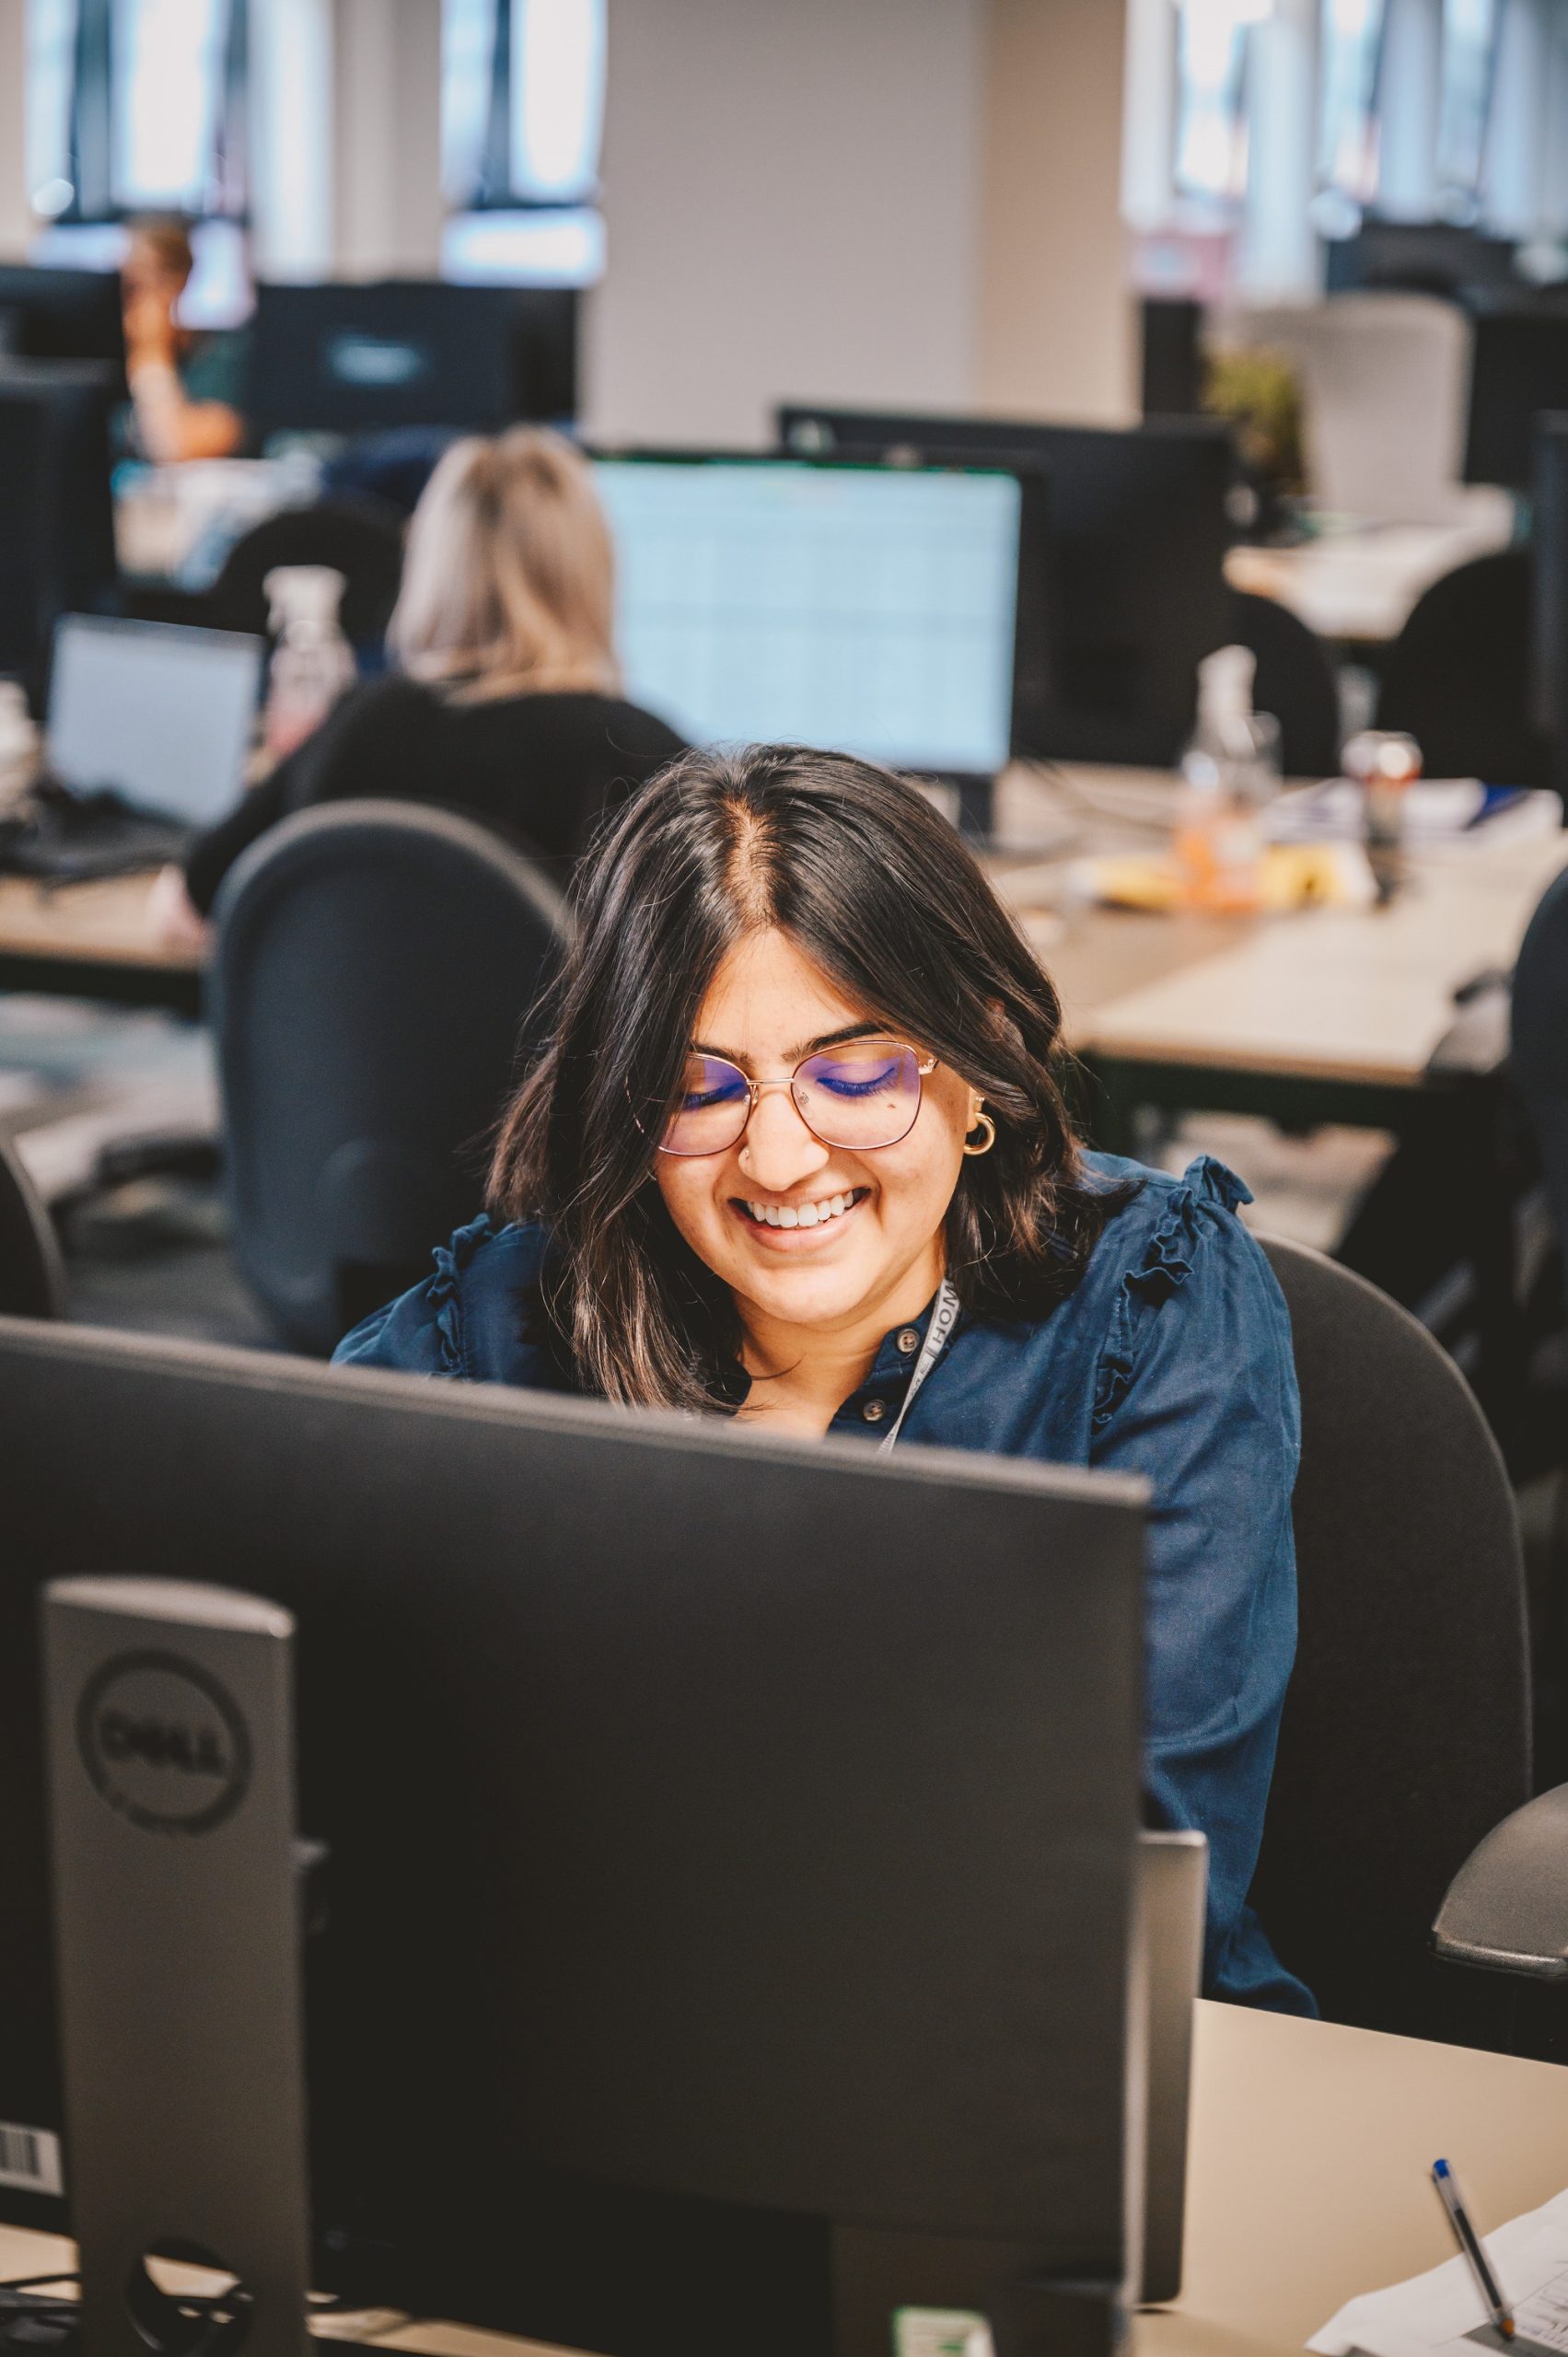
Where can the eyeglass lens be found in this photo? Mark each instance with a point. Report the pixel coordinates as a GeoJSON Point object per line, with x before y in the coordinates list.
{"type": "Point", "coordinates": [861, 1096]}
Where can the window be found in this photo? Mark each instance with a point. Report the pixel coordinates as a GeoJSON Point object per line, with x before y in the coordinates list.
{"type": "Point", "coordinates": [1469, 47]}
{"type": "Point", "coordinates": [1347, 147]}
{"type": "Point", "coordinates": [1211, 141]}
{"type": "Point", "coordinates": [136, 106]}
{"type": "Point", "coordinates": [522, 107]}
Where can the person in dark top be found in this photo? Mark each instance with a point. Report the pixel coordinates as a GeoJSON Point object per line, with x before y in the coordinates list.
{"type": "Point", "coordinates": [797, 1152]}
{"type": "Point", "coordinates": [503, 702]}
{"type": "Point", "coordinates": [185, 387]}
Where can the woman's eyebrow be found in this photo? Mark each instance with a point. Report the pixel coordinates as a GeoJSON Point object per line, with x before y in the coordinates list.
{"type": "Point", "coordinates": [794, 1055]}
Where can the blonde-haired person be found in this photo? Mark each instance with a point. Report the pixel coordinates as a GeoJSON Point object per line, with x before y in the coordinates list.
{"type": "Point", "coordinates": [503, 701]}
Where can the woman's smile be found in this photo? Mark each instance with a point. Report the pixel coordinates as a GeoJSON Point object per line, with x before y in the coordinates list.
{"type": "Point", "coordinates": [807, 1225]}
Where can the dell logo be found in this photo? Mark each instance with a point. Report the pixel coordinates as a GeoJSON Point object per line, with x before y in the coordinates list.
{"type": "Point", "coordinates": [163, 1743]}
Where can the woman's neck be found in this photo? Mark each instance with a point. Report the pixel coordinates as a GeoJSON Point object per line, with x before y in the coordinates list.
{"type": "Point", "coordinates": [802, 1375]}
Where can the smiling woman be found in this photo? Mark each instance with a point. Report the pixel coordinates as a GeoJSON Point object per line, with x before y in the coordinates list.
{"type": "Point", "coordinates": [797, 1151]}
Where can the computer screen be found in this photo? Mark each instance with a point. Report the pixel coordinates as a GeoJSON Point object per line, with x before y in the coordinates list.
{"type": "Point", "coordinates": [873, 609]}
{"type": "Point", "coordinates": [731, 1840]}
{"type": "Point", "coordinates": [357, 358]}
{"type": "Point", "coordinates": [159, 713]}
{"type": "Point", "coordinates": [1518, 369]}
{"type": "Point", "coordinates": [1132, 594]}
{"type": "Point", "coordinates": [62, 315]}
{"type": "Point", "coordinates": [56, 512]}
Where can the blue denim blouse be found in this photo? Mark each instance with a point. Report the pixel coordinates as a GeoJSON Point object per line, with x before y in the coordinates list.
{"type": "Point", "coordinates": [1171, 1358]}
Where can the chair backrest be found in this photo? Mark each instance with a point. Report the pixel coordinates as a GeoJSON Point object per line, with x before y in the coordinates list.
{"type": "Point", "coordinates": [1538, 1048]}
{"type": "Point", "coordinates": [360, 537]}
{"type": "Point", "coordinates": [1406, 1729]}
{"type": "Point", "coordinates": [32, 1275]}
{"type": "Point", "coordinates": [1458, 676]}
{"type": "Point", "coordinates": [1383, 379]}
{"type": "Point", "coordinates": [1295, 681]}
{"type": "Point", "coordinates": [376, 967]}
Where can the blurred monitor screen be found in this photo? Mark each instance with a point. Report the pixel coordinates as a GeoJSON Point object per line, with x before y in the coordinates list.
{"type": "Point", "coordinates": [867, 608]}
{"type": "Point", "coordinates": [366, 358]}
{"type": "Point", "coordinates": [1518, 369]}
{"type": "Point", "coordinates": [157, 712]}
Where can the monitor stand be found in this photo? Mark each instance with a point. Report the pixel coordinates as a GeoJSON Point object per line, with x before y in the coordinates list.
{"type": "Point", "coordinates": [178, 1931]}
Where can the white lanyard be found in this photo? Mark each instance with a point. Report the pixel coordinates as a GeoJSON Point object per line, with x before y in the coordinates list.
{"type": "Point", "coordinates": [930, 1350]}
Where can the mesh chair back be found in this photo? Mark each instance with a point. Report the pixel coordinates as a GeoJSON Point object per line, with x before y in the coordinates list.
{"type": "Point", "coordinates": [33, 1276]}
{"type": "Point", "coordinates": [1458, 676]}
{"type": "Point", "coordinates": [359, 537]}
{"type": "Point", "coordinates": [1295, 681]}
{"type": "Point", "coordinates": [1537, 1055]}
{"type": "Point", "coordinates": [1406, 1730]}
{"type": "Point", "coordinates": [376, 966]}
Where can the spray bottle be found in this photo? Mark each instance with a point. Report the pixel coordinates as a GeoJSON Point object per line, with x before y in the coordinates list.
{"type": "Point", "coordinates": [312, 661]}
{"type": "Point", "coordinates": [1231, 769]}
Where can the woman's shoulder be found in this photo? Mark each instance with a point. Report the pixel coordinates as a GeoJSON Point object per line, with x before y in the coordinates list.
{"type": "Point", "coordinates": [627, 730]}
{"type": "Point", "coordinates": [1163, 1226]}
{"type": "Point", "coordinates": [475, 1318]}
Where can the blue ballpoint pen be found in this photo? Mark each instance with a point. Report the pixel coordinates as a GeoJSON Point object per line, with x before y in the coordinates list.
{"type": "Point", "coordinates": [1497, 2309]}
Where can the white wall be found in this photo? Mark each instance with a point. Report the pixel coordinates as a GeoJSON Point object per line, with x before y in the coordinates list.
{"type": "Point", "coordinates": [386, 146]}
{"type": "Point", "coordinates": [792, 203]}
{"type": "Point", "coordinates": [1056, 314]}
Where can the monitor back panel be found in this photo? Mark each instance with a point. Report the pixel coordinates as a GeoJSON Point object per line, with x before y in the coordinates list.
{"type": "Point", "coordinates": [371, 358]}
{"type": "Point", "coordinates": [722, 1821]}
{"type": "Point", "coordinates": [1518, 371]}
{"type": "Point", "coordinates": [1135, 595]}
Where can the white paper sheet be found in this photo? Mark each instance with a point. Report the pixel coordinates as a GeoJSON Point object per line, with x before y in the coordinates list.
{"type": "Point", "coordinates": [1441, 2314]}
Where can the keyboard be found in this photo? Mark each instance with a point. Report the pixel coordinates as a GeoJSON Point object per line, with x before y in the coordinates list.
{"type": "Point", "coordinates": [61, 837]}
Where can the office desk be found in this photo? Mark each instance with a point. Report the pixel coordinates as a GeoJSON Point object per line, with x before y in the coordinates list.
{"type": "Point", "coordinates": [91, 941]}
{"type": "Point", "coordinates": [1358, 587]}
{"type": "Point", "coordinates": [1310, 2148]}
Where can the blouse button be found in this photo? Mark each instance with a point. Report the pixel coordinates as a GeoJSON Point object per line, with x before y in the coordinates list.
{"type": "Point", "coordinates": [909, 1339]}
{"type": "Point", "coordinates": [874, 1411]}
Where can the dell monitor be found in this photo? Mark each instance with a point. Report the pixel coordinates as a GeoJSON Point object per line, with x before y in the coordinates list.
{"type": "Point", "coordinates": [872, 609]}
{"type": "Point", "coordinates": [729, 1839]}
{"type": "Point", "coordinates": [62, 315]}
{"type": "Point", "coordinates": [1519, 371]}
{"type": "Point", "coordinates": [56, 511]}
{"type": "Point", "coordinates": [1134, 587]}
{"type": "Point", "coordinates": [359, 358]}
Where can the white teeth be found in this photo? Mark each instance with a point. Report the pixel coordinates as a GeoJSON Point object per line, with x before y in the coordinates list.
{"type": "Point", "coordinates": [803, 1214]}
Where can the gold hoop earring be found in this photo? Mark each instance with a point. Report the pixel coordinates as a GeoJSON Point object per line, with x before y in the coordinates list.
{"type": "Point", "coordinates": [988, 1141]}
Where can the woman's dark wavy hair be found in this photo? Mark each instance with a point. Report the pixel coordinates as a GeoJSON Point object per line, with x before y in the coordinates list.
{"type": "Point", "coordinates": [878, 891]}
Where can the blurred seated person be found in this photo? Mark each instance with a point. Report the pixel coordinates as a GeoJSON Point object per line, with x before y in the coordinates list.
{"type": "Point", "coordinates": [185, 387]}
{"type": "Point", "coordinates": [503, 701]}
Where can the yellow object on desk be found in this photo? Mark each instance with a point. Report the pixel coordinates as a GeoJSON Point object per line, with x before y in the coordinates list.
{"type": "Point", "coordinates": [1290, 876]}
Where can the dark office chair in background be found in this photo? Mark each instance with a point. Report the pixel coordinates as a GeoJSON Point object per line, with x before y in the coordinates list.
{"type": "Point", "coordinates": [1295, 681]}
{"type": "Point", "coordinates": [1458, 676]}
{"type": "Point", "coordinates": [359, 537]}
{"type": "Point", "coordinates": [32, 1275]}
{"type": "Point", "coordinates": [1406, 1731]}
{"type": "Point", "coordinates": [375, 967]}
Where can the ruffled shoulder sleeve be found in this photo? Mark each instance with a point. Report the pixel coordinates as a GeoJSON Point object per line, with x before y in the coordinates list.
{"type": "Point", "coordinates": [1179, 1218]}
{"type": "Point", "coordinates": [470, 1319]}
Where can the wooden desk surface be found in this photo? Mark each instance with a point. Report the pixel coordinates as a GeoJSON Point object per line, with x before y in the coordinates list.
{"type": "Point", "coordinates": [1310, 2149]}
{"type": "Point", "coordinates": [1335, 993]}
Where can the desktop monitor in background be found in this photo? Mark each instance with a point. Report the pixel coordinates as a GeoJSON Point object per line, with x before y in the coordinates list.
{"type": "Point", "coordinates": [1134, 583]}
{"type": "Point", "coordinates": [62, 315]}
{"type": "Point", "coordinates": [871, 608]}
{"type": "Point", "coordinates": [56, 511]}
{"type": "Point", "coordinates": [728, 1894]}
{"type": "Point", "coordinates": [1417, 258]}
{"type": "Point", "coordinates": [1172, 376]}
{"type": "Point", "coordinates": [1519, 371]}
{"type": "Point", "coordinates": [1549, 548]}
{"type": "Point", "coordinates": [359, 358]}
{"type": "Point", "coordinates": [158, 712]}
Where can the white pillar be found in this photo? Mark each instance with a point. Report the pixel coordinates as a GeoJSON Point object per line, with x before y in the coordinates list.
{"type": "Point", "coordinates": [1515, 174]}
{"type": "Point", "coordinates": [1278, 261]}
{"type": "Point", "coordinates": [387, 121]}
{"type": "Point", "coordinates": [1148, 113]}
{"type": "Point", "coordinates": [16, 217]}
{"type": "Point", "coordinates": [1409, 99]}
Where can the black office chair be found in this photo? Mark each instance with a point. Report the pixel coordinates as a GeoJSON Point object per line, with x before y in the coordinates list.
{"type": "Point", "coordinates": [375, 967]}
{"type": "Point", "coordinates": [1537, 1045]}
{"type": "Point", "coordinates": [359, 537]}
{"type": "Point", "coordinates": [1457, 677]}
{"type": "Point", "coordinates": [1295, 681]}
{"type": "Point", "coordinates": [1406, 1731]}
{"type": "Point", "coordinates": [32, 1275]}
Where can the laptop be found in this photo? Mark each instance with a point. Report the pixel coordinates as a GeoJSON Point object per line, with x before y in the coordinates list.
{"type": "Point", "coordinates": [148, 730]}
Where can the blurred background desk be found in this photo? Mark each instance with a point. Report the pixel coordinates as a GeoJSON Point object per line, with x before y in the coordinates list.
{"type": "Point", "coordinates": [91, 941]}
{"type": "Point", "coordinates": [1358, 587]}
